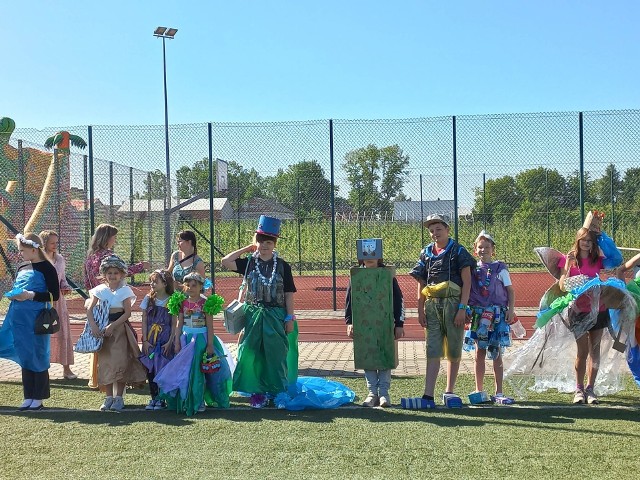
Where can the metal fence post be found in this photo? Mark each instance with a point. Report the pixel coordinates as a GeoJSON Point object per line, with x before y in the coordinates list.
{"type": "Point", "coordinates": [111, 220]}
{"type": "Point", "coordinates": [22, 181]}
{"type": "Point", "coordinates": [333, 217]}
{"type": "Point", "coordinates": [211, 212]}
{"type": "Point", "coordinates": [85, 198]}
{"type": "Point", "coordinates": [613, 206]}
{"type": "Point", "coordinates": [92, 212]}
{"type": "Point", "coordinates": [149, 220]}
{"type": "Point", "coordinates": [298, 221]}
{"type": "Point", "coordinates": [421, 216]}
{"type": "Point", "coordinates": [581, 153]}
{"type": "Point", "coordinates": [132, 224]}
{"type": "Point", "coordinates": [484, 201]}
{"type": "Point", "coordinates": [56, 169]}
{"type": "Point", "coordinates": [546, 195]}
{"type": "Point", "coordinates": [455, 180]}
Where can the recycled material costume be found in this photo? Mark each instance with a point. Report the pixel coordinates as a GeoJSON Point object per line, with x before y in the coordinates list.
{"type": "Point", "coordinates": [488, 303]}
{"type": "Point", "coordinates": [549, 354]}
{"type": "Point", "coordinates": [18, 342]}
{"type": "Point", "coordinates": [633, 354]}
{"type": "Point", "coordinates": [267, 356]}
{"type": "Point", "coordinates": [182, 383]}
{"type": "Point", "coordinates": [118, 358]}
{"type": "Point", "coordinates": [159, 322]}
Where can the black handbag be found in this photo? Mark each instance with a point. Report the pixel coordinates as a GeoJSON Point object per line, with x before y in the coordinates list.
{"type": "Point", "coordinates": [47, 321]}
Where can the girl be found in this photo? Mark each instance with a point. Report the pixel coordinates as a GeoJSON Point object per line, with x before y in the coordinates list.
{"type": "Point", "coordinates": [101, 246]}
{"type": "Point", "coordinates": [118, 358]}
{"type": "Point", "coordinates": [379, 381]}
{"type": "Point", "coordinates": [158, 331]}
{"type": "Point", "coordinates": [585, 258]}
{"type": "Point", "coordinates": [185, 260]}
{"type": "Point", "coordinates": [267, 355]}
{"type": "Point", "coordinates": [61, 344]}
{"type": "Point", "coordinates": [36, 284]}
{"type": "Point", "coordinates": [492, 304]}
{"type": "Point", "coordinates": [182, 382]}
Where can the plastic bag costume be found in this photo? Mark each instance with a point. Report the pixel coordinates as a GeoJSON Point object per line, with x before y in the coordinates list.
{"type": "Point", "coordinates": [18, 342]}
{"type": "Point", "coordinates": [182, 383]}
{"type": "Point", "coordinates": [549, 355]}
{"type": "Point", "coordinates": [158, 333]}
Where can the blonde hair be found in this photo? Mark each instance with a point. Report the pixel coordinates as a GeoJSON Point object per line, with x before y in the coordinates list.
{"type": "Point", "coordinates": [34, 238]}
{"type": "Point", "coordinates": [45, 235]}
{"type": "Point", "coordinates": [100, 238]}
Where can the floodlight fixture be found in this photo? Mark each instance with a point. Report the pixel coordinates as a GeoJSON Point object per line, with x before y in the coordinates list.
{"type": "Point", "coordinates": [160, 31]}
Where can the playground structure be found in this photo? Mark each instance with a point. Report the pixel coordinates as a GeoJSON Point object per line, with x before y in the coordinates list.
{"type": "Point", "coordinates": [35, 194]}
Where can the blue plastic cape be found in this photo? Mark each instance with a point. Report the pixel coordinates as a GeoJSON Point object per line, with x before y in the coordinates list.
{"type": "Point", "coordinates": [315, 393]}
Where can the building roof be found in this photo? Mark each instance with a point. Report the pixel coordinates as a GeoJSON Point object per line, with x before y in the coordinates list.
{"type": "Point", "coordinates": [157, 205]}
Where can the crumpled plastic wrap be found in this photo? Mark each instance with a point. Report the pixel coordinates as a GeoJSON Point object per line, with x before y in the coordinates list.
{"type": "Point", "coordinates": [315, 393]}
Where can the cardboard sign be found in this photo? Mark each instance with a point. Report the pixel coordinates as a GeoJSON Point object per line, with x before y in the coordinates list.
{"type": "Point", "coordinates": [369, 248]}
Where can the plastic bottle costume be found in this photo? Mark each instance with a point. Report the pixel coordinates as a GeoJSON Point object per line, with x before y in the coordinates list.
{"type": "Point", "coordinates": [488, 303]}
{"type": "Point", "coordinates": [549, 354]}
{"type": "Point", "coordinates": [182, 383]}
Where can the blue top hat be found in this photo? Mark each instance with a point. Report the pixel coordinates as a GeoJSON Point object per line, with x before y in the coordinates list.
{"type": "Point", "coordinates": [269, 226]}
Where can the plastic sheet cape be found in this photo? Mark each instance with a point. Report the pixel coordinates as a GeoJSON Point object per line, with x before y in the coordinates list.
{"type": "Point", "coordinates": [633, 353]}
{"type": "Point", "coordinates": [547, 359]}
{"type": "Point", "coordinates": [315, 393]}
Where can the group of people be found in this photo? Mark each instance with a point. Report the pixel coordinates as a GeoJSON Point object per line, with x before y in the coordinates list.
{"type": "Point", "coordinates": [189, 368]}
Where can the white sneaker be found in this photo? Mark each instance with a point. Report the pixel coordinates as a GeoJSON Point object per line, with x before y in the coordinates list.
{"type": "Point", "coordinates": [385, 402]}
{"type": "Point", "coordinates": [160, 405]}
{"type": "Point", "coordinates": [106, 405]}
{"type": "Point", "coordinates": [151, 405]}
{"type": "Point", "coordinates": [117, 405]}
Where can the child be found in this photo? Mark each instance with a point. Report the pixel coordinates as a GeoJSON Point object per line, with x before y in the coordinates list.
{"type": "Point", "coordinates": [585, 258]}
{"type": "Point", "coordinates": [378, 381]}
{"type": "Point", "coordinates": [182, 382]}
{"type": "Point", "coordinates": [267, 356]}
{"type": "Point", "coordinates": [36, 284]}
{"type": "Point", "coordinates": [443, 272]}
{"type": "Point", "coordinates": [117, 360]}
{"type": "Point", "coordinates": [492, 303]}
{"type": "Point", "coordinates": [158, 331]}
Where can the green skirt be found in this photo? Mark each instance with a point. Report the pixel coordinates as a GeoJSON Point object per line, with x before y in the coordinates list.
{"type": "Point", "coordinates": [267, 356]}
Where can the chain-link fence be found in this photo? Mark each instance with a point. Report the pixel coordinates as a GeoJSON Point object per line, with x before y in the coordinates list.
{"type": "Point", "coordinates": [526, 178]}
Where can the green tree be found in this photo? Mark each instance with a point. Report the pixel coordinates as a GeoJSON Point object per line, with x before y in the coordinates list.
{"type": "Point", "coordinates": [629, 191]}
{"type": "Point", "coordinates": [376, 176]}
{"type": "Point", "coordinates": [154, 186]}
{"type": "Point", "coordinates": [194, 180]}
{"type": "Point", "coordinates": [302, 187]}
{"type": "Point", "coordinates": [601, 187]}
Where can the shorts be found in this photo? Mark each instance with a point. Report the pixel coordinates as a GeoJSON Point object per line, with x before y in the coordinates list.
{"type": "Point", "coordinates": [444, 339]}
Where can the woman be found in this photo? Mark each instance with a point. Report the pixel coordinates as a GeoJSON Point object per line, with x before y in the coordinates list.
{"type": "Point", "coordinates": [36, 284]}
{"type": "Point", "coordinates": [101, 246]}
{"type": "Point", "coordinates": [185, 260]}
{"type": "Point", "coordinates": [61, 344]}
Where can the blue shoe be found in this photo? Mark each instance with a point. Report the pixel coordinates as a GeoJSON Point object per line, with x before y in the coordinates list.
{"type": "Point", "coordinates": [417, 403]}
{"type": "Point", "coordinates": [451, 400]}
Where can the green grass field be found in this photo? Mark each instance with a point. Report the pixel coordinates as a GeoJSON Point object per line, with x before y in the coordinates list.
{"type": "Point", "coordinates": [544, 437]}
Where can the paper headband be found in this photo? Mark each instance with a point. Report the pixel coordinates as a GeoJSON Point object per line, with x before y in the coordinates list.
{"type": "Point", "coordinates": [25, 241]}
{"type": "Point", "coordinates": [486, 236]}
{"type": "Point", "coordinates": [112, 261]}
{"type": "Point", "coordinates": [193, 276]}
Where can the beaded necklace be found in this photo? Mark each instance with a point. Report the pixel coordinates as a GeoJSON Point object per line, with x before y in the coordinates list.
{"type": "Point", "coordinates": [483, 284]}
{"type": "Point", "coordinates": [266, 281]}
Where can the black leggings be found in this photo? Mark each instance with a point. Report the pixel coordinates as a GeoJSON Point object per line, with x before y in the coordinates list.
{"type": "Point", "coordinates": [35, 385]}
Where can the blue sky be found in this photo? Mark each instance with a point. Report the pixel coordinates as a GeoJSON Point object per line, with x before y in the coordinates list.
{"type": "Point", "coordinates": [78, 62]}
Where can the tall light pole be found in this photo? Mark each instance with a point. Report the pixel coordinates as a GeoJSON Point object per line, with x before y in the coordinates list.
{"type": "Point", "coordinates": [164, 33]}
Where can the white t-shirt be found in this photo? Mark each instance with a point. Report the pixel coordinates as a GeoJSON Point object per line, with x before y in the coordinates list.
{"type": "Point", "coordinates": [159, 303]}
{"type": "Point", "coordinates": [115, 298]}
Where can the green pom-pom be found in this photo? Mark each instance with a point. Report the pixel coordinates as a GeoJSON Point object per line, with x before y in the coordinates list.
{"type": "Point", "coordinates": [175, 302]}
{"type": "Point", "coordinates": [213, 305]}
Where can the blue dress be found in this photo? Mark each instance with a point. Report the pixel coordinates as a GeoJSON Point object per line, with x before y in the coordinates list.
{"type": "Point", "coordinates": [17, 340]}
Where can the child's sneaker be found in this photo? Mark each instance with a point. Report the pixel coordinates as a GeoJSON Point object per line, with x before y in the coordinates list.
{"type": "Point", "coordinates": [202, 407]}
{"type": "Point", "coordinates": [371, 401]}
{"type": "Point", "coordinates": [451, 400]}
{"type": "Point", "coordinates": [590, 396]}
{"type": "Point", "coordinates": [160, 405]}
{"type": "Point", "coordinates": [385, 402]}
{"type": "Point", "coordinates": [578, 398]}
{"type": "Point", "coordinates": [478, 398]}
{"type": "Point", "coordinates": [151, 405]}
{"type": "Point", "coordinates": [106, 405]}
{"type": "Point", "coordinates": [117, 405]}
{"type": "Point", "coordinates": [258, 400]}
